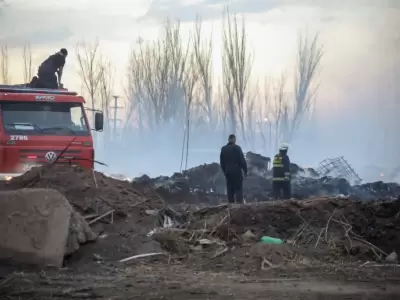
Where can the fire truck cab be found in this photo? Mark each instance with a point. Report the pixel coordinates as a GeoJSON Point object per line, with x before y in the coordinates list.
{"type": "Point", "coordinates": [42, 126]}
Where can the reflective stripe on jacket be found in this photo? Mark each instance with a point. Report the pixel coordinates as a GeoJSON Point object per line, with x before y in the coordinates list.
{"type": "Point", "coordinates": [280, 168]}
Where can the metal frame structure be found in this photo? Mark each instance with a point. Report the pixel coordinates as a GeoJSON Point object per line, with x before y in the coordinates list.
{"type": "Point", "coordinates": [339, 167]}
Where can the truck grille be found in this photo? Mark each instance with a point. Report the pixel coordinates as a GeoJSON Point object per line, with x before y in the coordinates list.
{"type": "Point", "coordinates": [38, 155]}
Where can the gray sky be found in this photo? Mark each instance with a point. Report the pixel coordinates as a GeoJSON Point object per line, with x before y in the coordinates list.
{"type": "Point", "coordinates": [361, 40]}
{"type": "Point", "coordinates": [352, 31]}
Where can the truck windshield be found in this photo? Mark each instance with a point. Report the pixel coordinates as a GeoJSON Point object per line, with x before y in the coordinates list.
{"type": "Point", "coordinates": [44, 118]}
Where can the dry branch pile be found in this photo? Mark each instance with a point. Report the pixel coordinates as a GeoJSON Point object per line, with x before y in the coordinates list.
{"type": "Point", "coordinates": [323, 229]}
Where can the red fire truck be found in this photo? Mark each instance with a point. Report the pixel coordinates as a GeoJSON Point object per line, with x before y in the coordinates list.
{"type": "Point", "coordinates": [42, 126]}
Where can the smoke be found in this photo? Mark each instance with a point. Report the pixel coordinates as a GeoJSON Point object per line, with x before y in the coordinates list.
{"type": "Point", "coordinates": [158, 152]}
{"type": "Point", "coordinates": [355, 113]}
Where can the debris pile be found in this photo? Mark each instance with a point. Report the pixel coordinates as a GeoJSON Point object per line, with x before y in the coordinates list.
{"type": "Point", "coordinates": [206, 183]}
{"type": "Point", "coordinates": [316, 230]}
{"type": "Point", "coordinates": [202, 184]}
{"type": "Point", "coordinates": [305, 187]}
{"type": "Point", "coordinates": [257, 164]}
{"type": "Point", "coordinates": [139, 236]}
{"type": "Point", "coordinates": [376, 190]}
{"type": "Point", "coordinates": [121, 208]}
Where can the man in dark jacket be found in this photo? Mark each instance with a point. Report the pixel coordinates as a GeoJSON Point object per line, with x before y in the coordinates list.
{"type": "Point", "coordinates": [281, 175]}
{"type": "Point", "coordinates": [233, 163]}
{"type": "Point", "coordinates": [48, 69]}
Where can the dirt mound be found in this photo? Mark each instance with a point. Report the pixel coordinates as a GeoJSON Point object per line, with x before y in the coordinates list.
{"type": "Point", "coordinates": [318, 229]}
{"type": "Point", "coordinates": [87, 191]}
{"type": "Point", "coordinates": [125, 231]}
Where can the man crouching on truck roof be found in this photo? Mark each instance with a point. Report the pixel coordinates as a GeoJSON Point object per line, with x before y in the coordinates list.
{"type": "Point", "coordinates": [54, 64]}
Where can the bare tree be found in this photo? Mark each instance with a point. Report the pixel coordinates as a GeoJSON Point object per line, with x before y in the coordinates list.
{"type": "Point", "coordinates": [134, 89]}
{"type": "Point", "coordinates": [229, 96]}
{"type": "Point", "coordinates": [203, 58]}
{"type": "Point", "coordinates": [279, 106]}
{"type": "Point", "coordinates": [148, 82]}
{"type": "Point", "coordinates": [27, 57]}
{"type": "Point", "coordinates": [5, 64]}
{"type": "Point", "coordinates": [3, 4]}
{"type": "Point", "coordinates": [106, 86]}
{"type": "Point", "coordinates": [191, 78]}
{"type": "Point", "coordinates": [222, 104]}
{"type": "Point", "coordinates": [236, 67]}
{"type": "Point", "coordinates": [388, 113]}
{"type": "Point", "coordinates": [156, 78]}
{"type": "Point", "coordinates": [284, 125]}
{"type": "Point", "coordinates": [90, 69]}
{"type": "Point", "coordinates": [396, 79]}
{"type": "Point", "coordinates": [309, 56]}
{"type": "Point", "coordinates": [252, 99]}
{"type": "Point", "coordinates": [265, 115]}
{"type": "Point", "coordinates": [178, 54]}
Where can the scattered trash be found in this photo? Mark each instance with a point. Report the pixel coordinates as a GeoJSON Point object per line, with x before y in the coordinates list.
{"type": "Point", "coordinates": [248, 236]}
{"type": "Point", "coordinates": [391, 258]}
{"type": "Point", "coordinates": [271, 240]}
{"type": "Point", "coordinates": [167, 218]}
{"type": "Point", "coordinates": [140, 256]}
{"type": "Point", "coordinates": [97, 257]}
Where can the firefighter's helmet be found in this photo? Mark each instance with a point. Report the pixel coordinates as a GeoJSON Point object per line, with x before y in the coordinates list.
{"type": "Point", "coordinates": [284, 147]}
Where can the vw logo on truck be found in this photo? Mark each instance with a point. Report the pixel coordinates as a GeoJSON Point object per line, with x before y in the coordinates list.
{"type": "Point", "coordinates": [51, 156]}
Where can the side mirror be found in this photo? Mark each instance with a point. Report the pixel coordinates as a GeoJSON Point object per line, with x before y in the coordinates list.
{"type": "Point", "coordinates": [98, 121]}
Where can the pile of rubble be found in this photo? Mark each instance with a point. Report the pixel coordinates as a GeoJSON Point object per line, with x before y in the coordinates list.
{"type": "Point", "coordinates": [311, 232]}
{"type": "Point", "coordinates": [207, 182]}
{"type": "Point", "coordinates": [91, 203]}
{"type": "Point", "coordinates": [93, 221]}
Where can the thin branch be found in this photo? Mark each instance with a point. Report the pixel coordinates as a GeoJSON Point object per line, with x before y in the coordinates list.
{"type": "Point", "coordinates": [27, 59]}
{"type": "Point", "coordinates": [309, 57]}
{"type": "Point", "coordinates": [4, 64]}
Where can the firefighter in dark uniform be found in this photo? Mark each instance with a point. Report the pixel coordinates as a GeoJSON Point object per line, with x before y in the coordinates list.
{"type": "Point", "coordinates": [281, 185]}
{"type": "Point", "coordinates": [233, 165]}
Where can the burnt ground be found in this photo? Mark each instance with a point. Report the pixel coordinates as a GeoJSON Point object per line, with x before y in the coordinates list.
{"type": "Point", "coordinates": [335, 248]}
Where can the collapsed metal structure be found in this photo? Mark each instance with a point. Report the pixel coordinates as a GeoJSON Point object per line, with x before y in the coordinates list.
{"type": "Point", "coordinates": [338, 167]}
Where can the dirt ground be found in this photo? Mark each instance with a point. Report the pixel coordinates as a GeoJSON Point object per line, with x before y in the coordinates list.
{"type": "Point", "coordinates": [335, 248]}
{"type": "Point", "coordinates": [161, 281]}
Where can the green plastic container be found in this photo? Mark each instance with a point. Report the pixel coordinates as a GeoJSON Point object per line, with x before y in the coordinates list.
{"type": "Point", "coordinates": [270, 240]}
